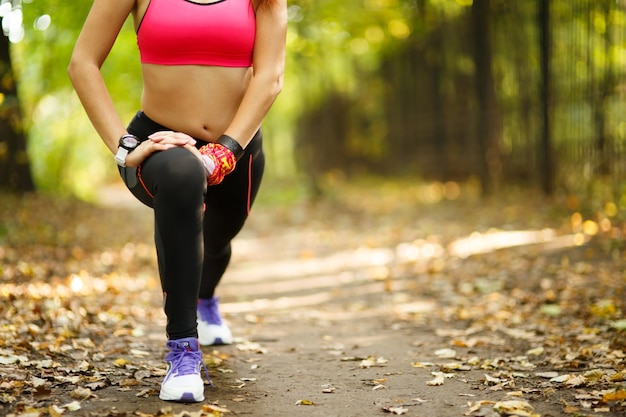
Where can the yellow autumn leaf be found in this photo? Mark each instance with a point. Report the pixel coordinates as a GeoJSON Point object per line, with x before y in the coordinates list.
{"type": "Point", "coordinates": [421, 364]}
{"type": "Point", "coordinates": [595, 375]}
{"type": "Point", "coordinates": [614, 396]}
{"type": "Point", "coordinates": [453, 366]}
{"type": "Point", "coordinates": [514, 408]}
{"type": "Point", "coordinates": [475, 406]}
{"type": "Point", "coordinates": [121, 362]}
{"type": "Point", "coordinates": [618, 377]}
{"type": "Point", "coordinates": [55, 411]}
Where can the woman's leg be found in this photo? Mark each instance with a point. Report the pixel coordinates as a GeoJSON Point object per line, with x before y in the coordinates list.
{"type": "Point", "coordinates": [173, 183]}
{"type": "Point", "coordinates": [227, 207]}
{"type": "Point", "coordinates": [178, 183]}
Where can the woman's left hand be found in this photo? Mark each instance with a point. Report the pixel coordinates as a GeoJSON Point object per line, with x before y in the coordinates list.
{"type": "Point", "coordinates": [168, 137]}
{"type": "Point", "coordinates": [172, 138]}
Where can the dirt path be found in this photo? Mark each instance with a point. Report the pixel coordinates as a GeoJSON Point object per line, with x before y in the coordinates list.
{"type": "Point", "coordinates": [363, 349]}
{"type": "Point", "coordinates": [359, 316]}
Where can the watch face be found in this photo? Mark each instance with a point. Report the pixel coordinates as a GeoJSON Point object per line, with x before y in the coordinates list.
{"type": "Point", "coordinates": [130, 142]}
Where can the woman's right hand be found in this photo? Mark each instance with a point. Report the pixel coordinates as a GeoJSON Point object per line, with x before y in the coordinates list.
{"type": "Point", "coordinates": [159, 141]}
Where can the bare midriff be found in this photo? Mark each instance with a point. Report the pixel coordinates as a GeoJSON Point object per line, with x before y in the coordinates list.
{"type": "Point", "coordinates": [200, 101]}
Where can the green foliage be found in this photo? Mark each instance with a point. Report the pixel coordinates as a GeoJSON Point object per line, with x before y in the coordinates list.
{"type": "Point", "coordinates": [66, 153]}
{"type": "Point", "coordinates": [342, 52]}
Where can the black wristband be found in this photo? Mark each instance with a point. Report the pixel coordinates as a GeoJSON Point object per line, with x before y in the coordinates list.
{"type": "Point", "coordinates": [232, 145]}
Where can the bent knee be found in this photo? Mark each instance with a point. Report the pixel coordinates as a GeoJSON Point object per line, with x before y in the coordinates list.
{"type": "Point", "coordinates": [178, 172]}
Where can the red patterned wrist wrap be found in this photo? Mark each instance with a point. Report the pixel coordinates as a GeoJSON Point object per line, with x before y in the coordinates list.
{"type": "Point", "coordinates": [224, 160]}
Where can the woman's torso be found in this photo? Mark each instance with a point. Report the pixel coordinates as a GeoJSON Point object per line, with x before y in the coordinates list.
{"type": "Point", "coordinates": [200, 100]}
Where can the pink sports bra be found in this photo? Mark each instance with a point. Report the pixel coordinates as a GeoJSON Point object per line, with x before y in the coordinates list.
{"type": "Point", "coordinates": [183, 32]}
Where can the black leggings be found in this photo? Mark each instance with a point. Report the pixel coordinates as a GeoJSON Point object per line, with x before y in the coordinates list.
{"type": "Point", "coordinates": [194, 224]}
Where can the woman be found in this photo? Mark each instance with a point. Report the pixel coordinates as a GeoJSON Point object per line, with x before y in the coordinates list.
{"type": "Point", "coordinates": [211, 70]}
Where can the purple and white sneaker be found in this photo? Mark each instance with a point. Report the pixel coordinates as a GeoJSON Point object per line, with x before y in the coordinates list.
{"type": "Point", "coordinates": [183, 381]}
{"type": "Point", "coordinates": [211, 328]}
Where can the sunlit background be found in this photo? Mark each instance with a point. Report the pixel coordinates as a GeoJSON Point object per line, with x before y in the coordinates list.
{"type": "Point", "coordinates": [452, 91]}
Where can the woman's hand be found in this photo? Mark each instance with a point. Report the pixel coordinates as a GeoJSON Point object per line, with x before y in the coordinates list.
{"type": "Point", "coordinates": [159, 141]}
{"type": "Point", "coordinates": [217, 160]}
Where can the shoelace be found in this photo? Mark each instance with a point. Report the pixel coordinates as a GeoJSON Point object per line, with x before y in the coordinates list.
{"type": "Point", "coordinates": [185, 361]}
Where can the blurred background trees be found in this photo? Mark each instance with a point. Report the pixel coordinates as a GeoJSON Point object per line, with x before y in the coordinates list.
{"type": "Point", "coordinates": [496, 92]}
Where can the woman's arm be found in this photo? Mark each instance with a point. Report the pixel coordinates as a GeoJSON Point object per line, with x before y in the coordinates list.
{"type": "Point", "coordinates": [267, 71]}
{"type": "Point", "coordinates": [93, 45]}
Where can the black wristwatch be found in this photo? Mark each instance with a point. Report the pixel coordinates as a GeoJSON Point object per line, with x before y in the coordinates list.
{"type": "Point", "coordinates": [128, 143]}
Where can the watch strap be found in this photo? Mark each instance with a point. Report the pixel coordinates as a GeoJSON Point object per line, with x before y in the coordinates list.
{"type": "Point", "coordinates": [232, 145]}
{"type": "Point", "coordinates": [120, 156]}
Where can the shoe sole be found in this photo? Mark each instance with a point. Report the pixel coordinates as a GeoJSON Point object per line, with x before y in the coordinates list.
{"type": "Point", "coordinates": [186, 397]}
{"type": "Point", "coordinates": [216, 342]}
{"type": "Point", "coordinates": [214, 334]}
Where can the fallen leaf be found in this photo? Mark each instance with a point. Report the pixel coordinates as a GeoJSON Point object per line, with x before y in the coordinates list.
{"type": "Point", "coordinates": [55, 411]}
{"type": "Point", "coordinates": [514, 408]}
{"type": "Point", "coordinates": [251, 347]}
{"type": "Point", "coordinates": [446, 353]}
{"type": "Point", "coordinates": [454, 366]}
{"type": "Point", "coordinates": [82, 393]}
{"type": "Point", "coordinates": [73, 406]}
{"type": "Point", "coordinates": [366, 363]}
{"type": "Point", "coordinates": [570, 409]}
{"type": "Point", "coordinates": [619, 324]}
{"type": "Point", "coordinates": [396, 410]}
{"type": "Point", "coordinates": [614, 396]}
{"type": "Point", "coordinates": [121, 362]}
{"type": "Point", "coordinates": [491, 380]}
{"type": "Point", "coordinates": [438, 380]}
{"type": "Point", "coordinates": [476, 406]}
{"type": "Point", "coordinates": [619, 376]}
{"type": "Point", "coordinates": [576, 381]}
{"type": "Point", "coordinates": [214, 408]}
{"type": "Point", "coordinates": [561, 378]}
{"type": "Point", "coordinates": [11, 359]}
{"type": "Point", "coordinates": [421, 364]}
{"type": "Point", "coordinates": [549, 375]}
{"type": "Point", "coordinates": [536, 351]}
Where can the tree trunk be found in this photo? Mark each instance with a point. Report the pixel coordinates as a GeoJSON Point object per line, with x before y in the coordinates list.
{"type": "Point", "coordinates": [15, 173]}
{"type": "Point", "coordinates": [545, 151]}
{"type": "Point", "coordinates": [486, 111]}
{"type": "Point", "coordinates": [599, 100]}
